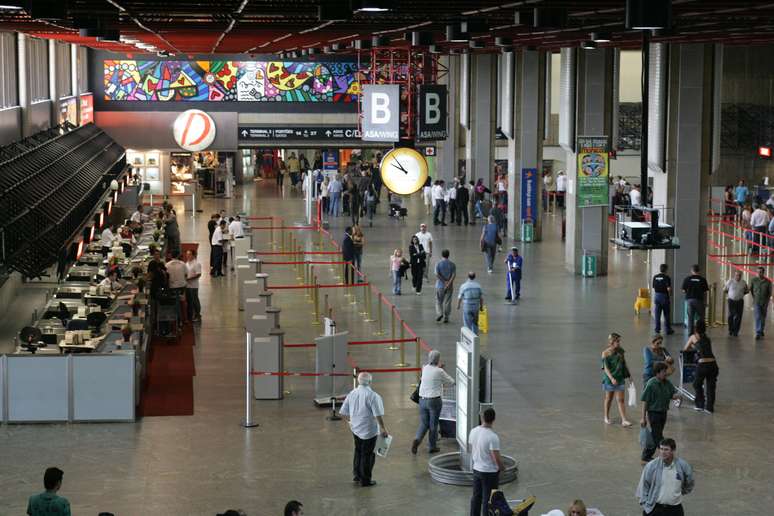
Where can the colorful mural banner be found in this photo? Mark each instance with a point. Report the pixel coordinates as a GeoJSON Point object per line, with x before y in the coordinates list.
{"type": "Point", "coordinates": [593, 171]}
{"type": "Point", "coordinates": [230, 81]}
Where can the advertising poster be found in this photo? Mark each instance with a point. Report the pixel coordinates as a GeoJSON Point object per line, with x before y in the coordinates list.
{"type": "Point", "coordinates": [593, 171]}
{"type": "Point", "coordinates": [529, 190]}
{"type": "Point", "coordinates": [87, 108]}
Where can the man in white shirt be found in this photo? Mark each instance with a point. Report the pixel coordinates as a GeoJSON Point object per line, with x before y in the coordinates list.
{"type": "Point", "coordinates": [177, 273]}
{"type": "Point", "coordinates": [193, 271]}
{"type": "Point", "coordinates": [430, 402]}
{"type": "Point", "coordinates": [364, 410]}
{"type": "Point", "coordinates": [736, 288]}
{"type": "Point", "coordinates": [106, 239]}
{"type": "Point", "coordinates": [111, 280]}
{"type": "Point", "coordinates": [759, 220]}
{"type": "Point", "coordinates": [235, 227]}
{"type": "Point", "coordinates": [635, 196]}
{"type": "Point", "coordinates": [439, 206]}
{"type": "Point", "coordinates": [561, 188]}
{"type": "Point", "coordinates": [426, 239]}
{"type": "Point", "coordinates": [216, 267]}
{"type": "Point", "coordinates": [486, 462]}
{"type": "Point", "coordinates": [138, 217]}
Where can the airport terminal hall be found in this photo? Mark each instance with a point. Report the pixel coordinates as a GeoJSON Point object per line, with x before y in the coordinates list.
{"type": "Point", "coordinates": [386, 257]}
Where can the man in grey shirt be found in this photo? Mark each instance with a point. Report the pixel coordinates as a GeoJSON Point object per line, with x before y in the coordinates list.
{"type": "Point", "coordinates": [736, 288]}
{"type": "Point", "coordinates": [471, 298]}
{"type": "Point", "coordinates": [445, 272]}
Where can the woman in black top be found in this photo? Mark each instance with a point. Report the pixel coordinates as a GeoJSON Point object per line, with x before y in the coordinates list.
{"type": "Point", "coordinates": [417, 259]}
{"type": "Point", "coordinates": [707, 370]}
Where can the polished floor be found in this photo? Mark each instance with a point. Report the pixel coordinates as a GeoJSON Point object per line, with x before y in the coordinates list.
{"type": "Point", "coordinates": [546, 391]}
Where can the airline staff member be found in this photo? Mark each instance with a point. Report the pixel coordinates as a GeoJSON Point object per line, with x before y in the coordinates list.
{"type": "Point", "coordinates": [695, 288]}
{"type": "Point", "coordinates": [216, 267]}
{"type": "Point", "coordinates": [662, 288]}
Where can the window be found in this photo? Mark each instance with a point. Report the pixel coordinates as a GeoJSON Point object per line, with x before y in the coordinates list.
{"type": "Point", "coordinates": [64, 83]}
{"type": "Point", "coordinates": [83, 69]}
{"type": "Point", "coordinates": [37, 69]}
{"type": "Point", "coordinates": [8, 84]}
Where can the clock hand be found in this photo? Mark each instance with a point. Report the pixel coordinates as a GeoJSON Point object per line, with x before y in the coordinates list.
{"type": "Point", "coordinates": [399, 166]}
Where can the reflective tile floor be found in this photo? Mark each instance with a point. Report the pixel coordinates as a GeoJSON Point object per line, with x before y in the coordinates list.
{"type": "Point", "coordinates": [546, 392]}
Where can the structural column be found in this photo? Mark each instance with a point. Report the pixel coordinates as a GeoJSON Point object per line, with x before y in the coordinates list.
{"type": "Point", "coordinates": [447, 149]}
{"type": "Point", "coordinates": [75, 71]}
{"type": "Point", "coordinates": [53, 86]}
{"type": "Point", "coordinates": [587, 74]}
{"type": "Point", "coordinates": [692, 96]}
{"type": "Point", "coordinates": [24, 84]}
{"type": "Point", "coordinates": [481, 104]}
{"type": "Point", "coordinates": [524, 127]}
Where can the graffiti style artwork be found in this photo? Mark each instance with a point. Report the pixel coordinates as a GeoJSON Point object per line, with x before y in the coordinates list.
{"type": "Point", "coordinates": [170, 80]}
{"type": "Point", "coordinates": [215, 81]}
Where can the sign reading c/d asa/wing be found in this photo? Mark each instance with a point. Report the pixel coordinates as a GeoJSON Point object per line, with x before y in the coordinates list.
{"type": "Point", "coordinates": [381, 113]}
{"type": "Point", "coordinates": [593, 171]}
{"type": "Point", "coordinates": [257, 132]}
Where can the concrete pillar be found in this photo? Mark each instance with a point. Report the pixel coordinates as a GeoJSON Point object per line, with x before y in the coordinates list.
{"type": "Point", "coordinates": [53, 90]}
{"type": "Point", "coordinates": [75, 70]}
{"type": "Point", "coordinates": [480, 133]}
{"type": "Point", "coordinates": [23, 82]}
{"type": "Point", "coordinates": [525, 149]}
{"type": "Point", "coordinates": [692, 106]}
{"type": "Point", "coordinates": [447, 149]}
{"type": "Point", "coordinates": [587, 228]}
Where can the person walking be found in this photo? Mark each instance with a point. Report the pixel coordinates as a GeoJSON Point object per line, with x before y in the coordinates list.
{"type": "Point", "coordinates": [49, 503]}
{"type": "Point", "coordinates": [430, 403]}
{"type": "Point", "coordinates": [662, 295]}
{"type": "Point", "coordinates": [348, 255]}
{"type": "Point", "coordinates": [294, 168]}
{"type": "Point", "coordinates": [358, 241]}
{"type": "Point", "coordinates": [695, 289]}
{"type": "Point", "coordinates": [418, 262]}
{"type": "Point", "coordinates": [490, 239]}
{"type": "Point", "coordinates": [439, 210]}
{"type": "Point", "coordinates": [462, 201]}
{"type": "Point", "coordinates": [614, 377]}
{"type": "Point", "coordinates": [364, 411]}
{"type": "Point", "coordinates": [445, 272]}
{"type": "Point", "coordinates": [655, 398]}
{"type": "Point", "coordinates": [706, 371]}
{"type": "Point", "coordinates": [471, 298]}
{"type": "Point", "coordinates": [561, 188]}
{"type": "Point", "coordinates": [451, 202]}
{"type": "Point", "coordinates": [294, 508]}
{"type": "Point", "coordinates": [325, 195]}
{"type": "Point", "coordinates": [371, 200]}
{"type": "Point", "coordinates": [355, 201]}
{"type": "Point", "coordinates": [654, 354]}
{"type": "Point", "coordinates": [486, 462]}
{"type": "Point", "coordinates": [760, 287]}
{"type": "Point", "coordinates": [514, 263]}
{"type": "Point", "coordinates": [334, 193]}
{"type": "Point", "coordinates": [664, 482]}
{"type": "Point", "coordinates": [759, 221]}
{"type": "Point", "coordinates": [193, 272]}
{"type": "Point", "coordinates": [736, 288]}
{"type": "Point", "coordinates": [426, 239]}
{"type": "Point", "coordinates": [427, 196]}
{"type": "Point", "coordinates": [396, 270]}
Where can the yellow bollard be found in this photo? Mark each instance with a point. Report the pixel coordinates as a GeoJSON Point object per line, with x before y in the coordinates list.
{"type": "Point", "coordinates": [392, 346]}
{"type": "Point", "coordinates": [380, 329]}
{"type": "Point", "coordinates": [402, 362]}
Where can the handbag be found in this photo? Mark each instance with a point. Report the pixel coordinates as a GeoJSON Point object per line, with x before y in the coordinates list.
{"type": "Point", "coordinates": [415, 395]}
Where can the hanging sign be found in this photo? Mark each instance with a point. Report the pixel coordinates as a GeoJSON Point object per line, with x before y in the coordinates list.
{"type": "Point", "coordinates": [432, 113]}
{"type": "Point", "coordinates": [593, 171]}
{"type": "Point", "coordinates": [194, 130]}
{"type": "Point", "coordinates": [529, 194]}
{"type": "Point", "coordinates": [381, 113]}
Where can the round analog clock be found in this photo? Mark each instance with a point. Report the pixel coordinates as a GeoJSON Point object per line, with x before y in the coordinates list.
{"type": "Point", "coordinates": [404, 170]}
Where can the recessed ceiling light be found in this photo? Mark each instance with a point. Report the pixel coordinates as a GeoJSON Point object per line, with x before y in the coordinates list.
{"type": "Point", "coordinates": [588, 45]}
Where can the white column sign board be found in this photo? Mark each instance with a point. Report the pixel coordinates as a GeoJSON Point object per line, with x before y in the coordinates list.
{"type": "Point", "coordinates": [381, 113]}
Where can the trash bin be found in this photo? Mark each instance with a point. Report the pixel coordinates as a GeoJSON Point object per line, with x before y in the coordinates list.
{"type": "Point", "coordinates": [589, 264]}
{"type": "Point", "coordinates": [527, 231]}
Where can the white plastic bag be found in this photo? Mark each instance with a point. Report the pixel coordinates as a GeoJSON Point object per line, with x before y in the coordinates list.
{"type": "Point", "coordinates": [631, 391]}
{"type": "Point", "coordinates": [382, 445]}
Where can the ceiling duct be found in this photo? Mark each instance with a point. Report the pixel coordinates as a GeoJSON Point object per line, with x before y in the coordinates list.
{"type": "Point", "coordinates": [524, 17]}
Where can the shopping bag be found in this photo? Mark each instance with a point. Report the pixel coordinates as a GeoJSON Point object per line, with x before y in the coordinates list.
{"type": "Point", "coordinates": [382, 445]}
{"type": "Point", "coordinates": [646, 438]}
{"type": "Point", "coordinates": [631, 394]}
{"type": "Point", "coordinates": [483, 321]}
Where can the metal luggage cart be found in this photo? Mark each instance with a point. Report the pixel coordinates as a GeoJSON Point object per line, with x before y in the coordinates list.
{"type": "Point", "coordinates": [688, 363]}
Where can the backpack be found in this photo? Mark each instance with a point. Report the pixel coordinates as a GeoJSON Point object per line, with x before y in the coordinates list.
{"type": "Point", "coordinates": [498, 505]}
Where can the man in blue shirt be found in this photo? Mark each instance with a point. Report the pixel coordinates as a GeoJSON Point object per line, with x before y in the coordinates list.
{"type": "Point", "coordinates": [514, 263]}
{"type": "Point", "coordinates": [445, 272]}
{"type": "Point", "coordinates": [741, 192]}
{"type": "Point", "coordinates": [471, 298]}
{"type": "Point", "coordinates": [49, 503]}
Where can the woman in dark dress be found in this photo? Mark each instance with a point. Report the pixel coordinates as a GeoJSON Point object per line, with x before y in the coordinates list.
{"type": "Point", "coordinates": [417, 259]}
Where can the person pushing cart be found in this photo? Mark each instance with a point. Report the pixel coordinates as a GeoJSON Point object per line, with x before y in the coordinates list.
{"type": "Point", "coordinates": [514, 264]}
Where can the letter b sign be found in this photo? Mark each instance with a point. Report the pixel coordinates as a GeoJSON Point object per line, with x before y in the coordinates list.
{"type": "Point", "coordinates": [381, 113]}
{"type": "Point", "coordinates": [432, 113]}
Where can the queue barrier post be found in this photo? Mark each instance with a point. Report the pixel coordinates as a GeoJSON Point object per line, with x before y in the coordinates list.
{"type": "Point", "coordinates": [316, 321]}
{"type": "Point", "coordinates": [418, 358]}
{"type": "Point", "coordinates": [272, 243]}
{"type": "Point", "coordinates": [369, 294]}
{"type": "Point", "coordinates": [402, 345]}
{"type": "Point", "coordinates": [326, 309]}
{"type": "Point", "coordinates": [722, 321]}
{"type": "Point", "coordinates": [392, 347]}
{"type": "Point", "coordinates": [380, 329]}
{"type": "Point", "coordinates": [344, 276]}
{"type": "Point", "coordinates": [351, 289]}
{"type": "Point", "coordinates": [365, 298]}
{"type": "Point", "coordinates": [710, 316]}
{"type": "Point", "coordinates": [282, 240]}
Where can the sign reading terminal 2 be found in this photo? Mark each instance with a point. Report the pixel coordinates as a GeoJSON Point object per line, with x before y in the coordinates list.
{"type": "Point", "coordinates": [194, 130]}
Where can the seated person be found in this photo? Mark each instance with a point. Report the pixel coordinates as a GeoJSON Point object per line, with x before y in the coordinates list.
{"type": "Point", "coordinates": [111, 280]}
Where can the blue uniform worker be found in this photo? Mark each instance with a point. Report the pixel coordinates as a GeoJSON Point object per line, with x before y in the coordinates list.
{"type": "Point", "coordinates": [514, 264]}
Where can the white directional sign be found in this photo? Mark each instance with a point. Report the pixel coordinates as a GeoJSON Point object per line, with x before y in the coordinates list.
{"type": "Point", "coordinates": [381, 113]}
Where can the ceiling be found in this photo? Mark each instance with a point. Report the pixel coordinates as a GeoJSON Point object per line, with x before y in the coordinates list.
{"type": "Point", "coordinates": [267, 26]}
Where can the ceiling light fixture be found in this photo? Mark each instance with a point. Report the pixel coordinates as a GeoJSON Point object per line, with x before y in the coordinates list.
{"type": "Point", "coordinates": [648, 14]}
{"type": "Point", "coordinates": [600, 37]}
{"type": "Point", "coordinates": [455, 35]}
{"type": "Point", "coordinates": [588, 45]}
{"type": "Point", "coordinates": [503, 42]}
{"type": "Point", "coordinates": [373, 6]}
{"type": "Point", "coordinates": [12, 6]}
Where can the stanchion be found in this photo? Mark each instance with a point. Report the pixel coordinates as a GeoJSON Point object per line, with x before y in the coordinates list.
{"type": "Point", "coordinates": [316, 321]}
{"type": "Point", "coordinates": [365, 298]}
{"type": "Point", "coordinates": [418, 358]}
{"type": "Point", "coordinates": [402, 345]}
{"type": "Point", "coordinates": [392, 347]}
{"type": "Point", "coordinates": [380, 330]}
{"type": "Point", "coordinates": [282, 240]}
{"type": "Point", "coordinates": [326, 309]}
{"type": "Point", "coordinates": [248, 422]}
{"type": "Point", "coordinates": [344, 276]}
{"type": "Point", "coordinates": [722, 313]}
{"type": "Point", "coordinates": [320, 238]}
{"type": "Point", "coordinates": [310, 283]}
{"type": "Point", "coordinates": [350, 288]}
{"type": "Point", "coordinates": [710, 316]}
{"type": "Point", "coordinates": [299, 265]}
{"type": "Point", "coordinates": [272, 243]}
